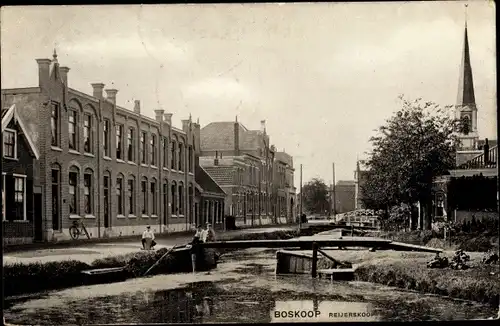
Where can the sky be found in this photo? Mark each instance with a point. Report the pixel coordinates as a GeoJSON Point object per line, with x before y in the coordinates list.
{"type": "Point", "coordinates": [324, 76]}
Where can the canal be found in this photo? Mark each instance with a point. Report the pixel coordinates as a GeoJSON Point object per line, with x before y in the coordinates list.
{"type": "Point", "coordinates": [242, 289]}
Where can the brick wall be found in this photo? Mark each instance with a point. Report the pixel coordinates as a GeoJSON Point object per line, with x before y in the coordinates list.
{"type": "Point", "coordinates": [36, 106]}
{"type": "Point", "coordinates": [17, 229]}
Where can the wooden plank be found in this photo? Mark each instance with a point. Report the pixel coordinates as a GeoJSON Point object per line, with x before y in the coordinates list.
{"type": "Point", "coordinates": [400, 246]}
{"type": "Point", "coordinates": [335, 271]}
{"type": "Point", "coordinates": [314, 260]}
{"type": "Point", "coordinates": [302, 243]}
{"type": "Point", "coordinates": [296, 254]}
{"type": "Point", "coordinates": [103, 270]}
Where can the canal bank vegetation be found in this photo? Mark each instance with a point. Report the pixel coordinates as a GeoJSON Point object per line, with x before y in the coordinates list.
{"type": "Point", "coordinates": [474, 241]}
{"type": "Point", "coordinates": [408, 270]}
{"type": "Point", "coordinates": [22, 278]}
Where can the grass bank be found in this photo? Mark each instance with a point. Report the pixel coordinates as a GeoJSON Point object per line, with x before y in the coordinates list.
{"type": "Point", "coordinates": [408, 270]}
{"type": "Point", "coordinates": [22, 278]}
{"type": "Point", "coordinates": [472, 241]}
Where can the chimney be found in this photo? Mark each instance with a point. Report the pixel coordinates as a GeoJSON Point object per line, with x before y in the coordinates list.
{"type": "Point", "coordinates": [64, 74]}
{"type": "Point", "coordinates": [168, 118]}
{"type": "Point", "coordinates": [216, 160]}
{"type": "Point", "coordinates": [98, 88]}
{"type": "Point", "coordinates": [185, 125]}
{"type": "Point", "coordinates": [236, 138]}
{"type": "Point", "coordinates": [43, 72]}
{"type": "Point", "coordinates": [111, 95]}
{"type": "Point", "coordinates": [159, 115]}
{"type": "Point", "coordinates": [137, 106]}
{"type": "Point", "coordinates": [263, 126]}
{"type": "Point", "coordinates": [197, 134]}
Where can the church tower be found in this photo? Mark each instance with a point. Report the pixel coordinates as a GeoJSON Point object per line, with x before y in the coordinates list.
{"type": "Point", "coordinates": [466, 109]}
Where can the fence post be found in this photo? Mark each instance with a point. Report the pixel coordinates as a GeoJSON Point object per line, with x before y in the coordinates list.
{"type": "Point", "coordinates": [314, 260]}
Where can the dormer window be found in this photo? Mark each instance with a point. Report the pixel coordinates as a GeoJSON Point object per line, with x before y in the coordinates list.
{"type": "Point", "coordinates": [9, 144]}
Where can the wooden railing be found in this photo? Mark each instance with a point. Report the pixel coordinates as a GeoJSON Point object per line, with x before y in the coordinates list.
{"type": "Point", "coordinates": [482, 161]}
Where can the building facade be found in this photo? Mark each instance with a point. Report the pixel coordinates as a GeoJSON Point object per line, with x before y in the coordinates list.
{"type": "Point", "coordinates": [285, 191]}
{"type": "Point", "coordinates": [345, 196]}
{"type": "Point", "coordinates": [359, 179]}
{"type": "Point", "coordinates": [210, 200]}
{"type": "Point", "coordinates": [21, 195]}
{"type": "Point", "coordinates": [244, 164]}
{"type": "Point", "coordinates": [109, 167]}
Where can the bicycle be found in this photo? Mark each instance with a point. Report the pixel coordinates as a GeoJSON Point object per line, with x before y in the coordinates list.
{"type": "Point", "coordinates": [77, 229]}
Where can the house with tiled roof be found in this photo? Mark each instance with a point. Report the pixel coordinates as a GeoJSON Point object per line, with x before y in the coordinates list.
{"type": "Point", "coordinates": [210, 197]}
{"type": "Point", "coordinates": [243, 163]}
{"type": "Point", "coordinates": [22, 221]}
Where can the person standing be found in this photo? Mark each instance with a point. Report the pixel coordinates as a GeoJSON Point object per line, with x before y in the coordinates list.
{"type": "Point", "coordinates": [148, 234]}
{"type": "Point", "coordinates": [209, 233]}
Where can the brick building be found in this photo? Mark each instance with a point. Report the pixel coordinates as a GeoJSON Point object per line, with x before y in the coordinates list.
{"type": "Point", "coordinates": [210, 199]}
{"type": "Point", "coordinates": [243, 163]}
{"type": "Point", "coordinates": [284, 189]}
{"type": "Point", "coordinates": [112, 168]}
{"type": "Point", "coordinates": [21, 195]}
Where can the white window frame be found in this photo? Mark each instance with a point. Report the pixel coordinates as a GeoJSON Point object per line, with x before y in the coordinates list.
{"type": "Point", "coordinates": [23, 177]}
{"type": "Point", "coordinates": [15, 144]}
{"type": "Point", "coordinates": [4, 196]}
{"type": "Point", "coordinates": [75, 131]}
{"type": "Point", "coordinates": [91, 195]}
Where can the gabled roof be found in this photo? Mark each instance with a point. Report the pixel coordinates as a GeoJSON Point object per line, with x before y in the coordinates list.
{"type": "Point", "coordinates": [206, 182]}
{"type": "Point", "coordinates": [223, 175]}
{"type": "Point", "coordinates": [11, 113]}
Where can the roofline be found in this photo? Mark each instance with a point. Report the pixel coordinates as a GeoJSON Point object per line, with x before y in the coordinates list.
{"type": "Point", "coordinates": [22, 90]}
{"type": "Point", "coordinates": [218, 185]}
{"type": "Point", "coordinates": [123, 110]}
{"type": "Point", "coordinates": [12, 113]}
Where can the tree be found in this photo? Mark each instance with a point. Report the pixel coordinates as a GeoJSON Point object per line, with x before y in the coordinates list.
{"type": "Point", "coordinates": [415, 145]}
{"type": "Point", "coordinates": [315, 196]}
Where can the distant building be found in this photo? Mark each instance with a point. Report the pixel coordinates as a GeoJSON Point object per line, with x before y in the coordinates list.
{"type": "Point", "coordinates": [345, 196]}
{"type": "Point", "coordinates": [245, 165]}
{"type": "Point", "coordinates": [284, 188]}
{"type": "Point", "coordinates": [359, 180]}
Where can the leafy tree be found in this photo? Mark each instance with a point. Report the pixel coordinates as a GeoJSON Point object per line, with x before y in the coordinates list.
{"type": "Point", "coordinates": [315, 196]}
{"type": "Point", "coordinates": [415, 145]}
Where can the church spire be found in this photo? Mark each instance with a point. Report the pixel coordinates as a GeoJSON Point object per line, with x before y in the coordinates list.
{"type": "Point", "coordinates": [466, 95]}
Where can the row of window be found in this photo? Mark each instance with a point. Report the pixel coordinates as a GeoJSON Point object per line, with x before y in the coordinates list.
{"type": "Point", "coordinates": [252, 176]}
{"type": "Point", "coordinates": [148, 146]}
{"type": "Point", "coordinates": [126, 193]}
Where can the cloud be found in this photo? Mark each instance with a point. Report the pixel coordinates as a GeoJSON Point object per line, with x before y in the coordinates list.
{"type": "Point", "coordinates": [130, 47]}
{"type": "Point", "coordinates": [218, 88]}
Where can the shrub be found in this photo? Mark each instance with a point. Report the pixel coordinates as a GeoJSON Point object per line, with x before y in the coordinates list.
{"type": "Point", "coordinates": [474, 284]}
{"type": "Point", "coordinates": [476, 244]}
